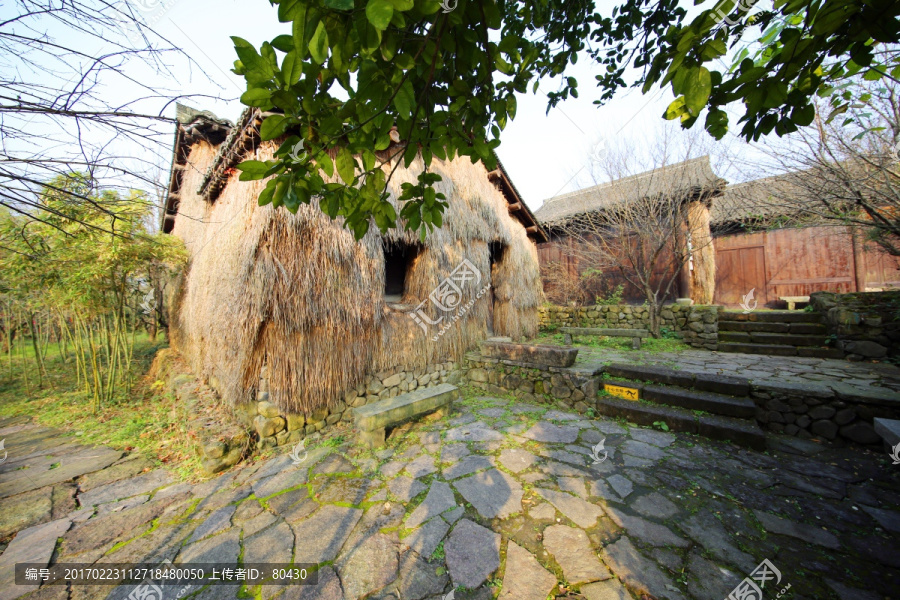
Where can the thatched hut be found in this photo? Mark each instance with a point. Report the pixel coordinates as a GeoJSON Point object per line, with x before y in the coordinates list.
{"type": "Point", "coordinates": [296, 297]}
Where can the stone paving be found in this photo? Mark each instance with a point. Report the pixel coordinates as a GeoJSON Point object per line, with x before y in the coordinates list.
{"type": "Point", "coordinates": [498, 499]}
{"type": "Point", "coordinates": [860, 378]}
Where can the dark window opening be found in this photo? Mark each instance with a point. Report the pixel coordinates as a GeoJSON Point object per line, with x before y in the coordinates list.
{"type": "Point", "coordinates": [398, 259]}
{"type": "Point", "coordinates": [496, 250]}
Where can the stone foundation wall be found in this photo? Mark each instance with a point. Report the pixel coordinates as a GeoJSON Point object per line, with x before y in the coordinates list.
{"type": "Point", "coordinates": [702, 329]}
{"type": "Point", "coordinates": [274, 428]}
{"type": "Point", "coordinates": [222, 440]}
{"type": "Point", "coordinates": [808, 412]}
{"type": "Point", "coordinates": [227, 436]}
{"type": "Point", "coordinates": [697, 325]}
{"type": "Point", "coordinates": [867, 325]}
{"type": "Point", "coordinates": [536, 383]}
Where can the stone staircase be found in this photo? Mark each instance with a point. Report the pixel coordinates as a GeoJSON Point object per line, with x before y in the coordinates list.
{"type": "Point", "coordinates": [714, 406]}
{"type": "Point", "coordinates": [775, 333]}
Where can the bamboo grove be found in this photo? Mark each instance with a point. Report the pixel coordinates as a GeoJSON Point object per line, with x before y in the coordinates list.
{"type": "Point", "coordinates": [82, 276]}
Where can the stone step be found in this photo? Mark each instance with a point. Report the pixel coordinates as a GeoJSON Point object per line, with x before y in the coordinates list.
{"type": "Point", "coordinates": [783, 339]}
{"type": "Point", "coordinates": [771, 316]}
{"type": "Point", "coordinates": [813, 352]}
{"type": "Point", "coordinates": [705, 382]}
{"type": "Point", "coordinates": [767, 349]}
{"type": "Point", "coordinates": [809, 328]}
{"type": "Point", "coordinates": [770, 327]}
{"type": "Point", "coordinates": [780, 350]}
{"type": "Point", "coordinates": [740, 431]}
{"type": "Point", "coordinates": [717, 404]}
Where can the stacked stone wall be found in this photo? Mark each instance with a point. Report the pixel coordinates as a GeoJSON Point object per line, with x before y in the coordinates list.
{"type": "Point", "coordinates": [807, 411]}
{"type": "Point", "coordinates": [696, 325]}
{"type": "Point", "coordinates": [866, 325]}
{"type": "Point", "coordinates": [275, 428]}
{"type": "Point", "coordinates": [536, 384]}
{"type": "Point", "coordinates": [233, 435]}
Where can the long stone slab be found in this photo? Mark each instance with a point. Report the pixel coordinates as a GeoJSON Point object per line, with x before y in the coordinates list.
{"type": "Point", "coordinates": [888, 429]}
{"type": "Point", "coordinates": [405, 406]}
{"type": "Point", "coordinates": [722, 384]}
{"type": "Point", "coordinates": [653, 374]}
{"type": "Point", "coordinates": [711, 402]}
{"type": "Point", "coordinates": [632, 333]}
{"type": "Point", "coordinates": [70, 466]}
{"type": "Point", "coordinates": [551, 356]}
{"type": "Point", "coordinates": [739, 431]}
{"type": "Point", "coordinates": [34, 545]}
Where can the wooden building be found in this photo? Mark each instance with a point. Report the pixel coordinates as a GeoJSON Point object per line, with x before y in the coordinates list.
{"type": "Point", "coordinates": [768, 244]}
{"type": "Point", "coordinates": [761, 242]}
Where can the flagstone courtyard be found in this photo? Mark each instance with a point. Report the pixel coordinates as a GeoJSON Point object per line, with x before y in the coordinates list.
{"type": "Point", "coordinates": [498, 499]}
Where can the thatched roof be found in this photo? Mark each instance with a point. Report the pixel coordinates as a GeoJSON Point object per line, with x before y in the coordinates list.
{"type": "Point", "coordinates": [783, 198]}
{"type": "Point", "coordinates": [517, 206]}
{"type": "Point", "coordinates": [757, 199]}
{"type": "Point", "coordinates": [245, 135]}
{"type": "Point", "coordinates": [691, 178]}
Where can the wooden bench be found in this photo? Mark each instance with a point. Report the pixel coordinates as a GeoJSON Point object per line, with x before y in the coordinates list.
{"type": "Point", "coordinates": [635, 334]}
{"type": "Point", "coordinates": [372, 419]}
{"type": "Point", "coordinates": [792, 301]}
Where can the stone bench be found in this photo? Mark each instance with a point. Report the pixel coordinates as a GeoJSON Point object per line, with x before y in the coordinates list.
{"type": "Point", "coordinates": [888, 429]}
{"type": "Point", "coordinates": [792, 301]}
{"type": "Point", "coordinates": [372, 419]}
{"type": "Point", "coordinates": [550, 356]}
{"type": "Point", "coordinates": [635, 334]}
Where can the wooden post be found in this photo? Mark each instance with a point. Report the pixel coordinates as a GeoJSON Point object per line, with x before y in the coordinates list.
{"type": "Point", "coordinates": [703, 275]}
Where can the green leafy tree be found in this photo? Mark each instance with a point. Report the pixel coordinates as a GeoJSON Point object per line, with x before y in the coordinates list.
{"type": "Point", "coordinates": [807, 48]}
{"type": "Point", "coordinates": [352, 73]}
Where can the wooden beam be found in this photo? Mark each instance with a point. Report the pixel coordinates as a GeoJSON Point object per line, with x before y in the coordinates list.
{"type": "Point", "coordinates": [515, 207]}
{"type": "Point", "coordinates": [494, 174]}
{"type": "Point", "coordinates": [532, 229]}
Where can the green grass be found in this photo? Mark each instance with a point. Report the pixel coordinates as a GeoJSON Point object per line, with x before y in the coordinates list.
{"type": "Point", "coordinates": [651, 345]}
{"type": "Point", "coordinates": [144, 420]}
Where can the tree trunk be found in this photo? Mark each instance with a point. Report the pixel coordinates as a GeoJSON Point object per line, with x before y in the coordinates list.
{"type": "Point", "coordinates": [35, 343]}
{"type": "Point", "coordinates": [703, 273]}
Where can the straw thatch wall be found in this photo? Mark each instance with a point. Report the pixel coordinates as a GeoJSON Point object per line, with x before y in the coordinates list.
{"type": "Point", "coordinates": [299, 294]}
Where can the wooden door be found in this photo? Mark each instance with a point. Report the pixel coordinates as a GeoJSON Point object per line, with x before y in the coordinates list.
{"type": "Point", "coordinates": [739, 270]}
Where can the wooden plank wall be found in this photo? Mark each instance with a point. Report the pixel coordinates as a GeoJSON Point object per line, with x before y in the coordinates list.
{"type": "Point", "coordinates": [797, 262]}
{"type": "Point", "coordinates": [776, 263]}
{"type": "Point", "coordinates": [557, 251]}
